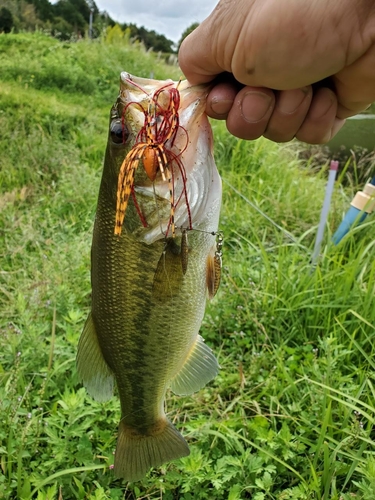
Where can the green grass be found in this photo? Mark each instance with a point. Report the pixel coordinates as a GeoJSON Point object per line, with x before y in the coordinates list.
{"type": "Point", "coordinates": [291, 414]}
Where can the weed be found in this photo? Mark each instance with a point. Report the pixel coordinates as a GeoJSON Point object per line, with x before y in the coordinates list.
{"type": "Point", "coordinates": [290, 415]}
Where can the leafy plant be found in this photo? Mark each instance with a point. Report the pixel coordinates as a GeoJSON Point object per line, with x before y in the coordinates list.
{"type": "Point", "coordinates": [290, 415]}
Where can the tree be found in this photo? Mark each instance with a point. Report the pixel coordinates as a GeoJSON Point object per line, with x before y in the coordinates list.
{"type": "Point", "coordinates": [67, 17]}
{"type": "Point", "coordinates": [150, 39]}
{"type": "Point", "coordinates": [6, 20]}
{"type": "Point", "coordinates": [43, 9]}
{"type": "Point", "coordinates": [69, 12]}
{"type": "Point", "coordinates": [187, 32]}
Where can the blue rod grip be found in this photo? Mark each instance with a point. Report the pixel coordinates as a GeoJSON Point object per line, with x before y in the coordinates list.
{"type": "Point", "coordinates": [352, 217]}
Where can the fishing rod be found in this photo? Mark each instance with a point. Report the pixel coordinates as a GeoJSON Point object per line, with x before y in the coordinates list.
{"type": "Point", "coordinates": [362, 204]}
{"type": "Point", "coordinates": [325, 210]}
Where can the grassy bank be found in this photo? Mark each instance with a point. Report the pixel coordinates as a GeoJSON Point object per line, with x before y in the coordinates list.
{"type": "Point", "coordinates": [290, 415]}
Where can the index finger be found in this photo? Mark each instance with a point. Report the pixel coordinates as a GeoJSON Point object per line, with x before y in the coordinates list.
{"type": "Point", "coordinates": [195, 59]}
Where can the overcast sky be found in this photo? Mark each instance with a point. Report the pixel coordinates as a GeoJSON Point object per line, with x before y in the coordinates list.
{"type": "Point", "coordinates": [167, 17]}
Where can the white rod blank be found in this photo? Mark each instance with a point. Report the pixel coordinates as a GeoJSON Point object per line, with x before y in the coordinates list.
{"type": "Point", "coordinates": [325, 210]}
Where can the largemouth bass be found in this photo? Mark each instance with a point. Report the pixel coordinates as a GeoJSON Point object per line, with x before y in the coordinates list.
{"type": "Point", "coordinates": [155, 258]}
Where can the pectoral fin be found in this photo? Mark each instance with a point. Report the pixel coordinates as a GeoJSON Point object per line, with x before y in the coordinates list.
{"type": "Point", "coordinates": [199, 368]}
{"type": "Point", "coordinates": [94, 372]}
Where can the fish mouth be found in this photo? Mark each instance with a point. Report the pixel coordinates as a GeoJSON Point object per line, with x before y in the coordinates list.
{"type": "Point", "coordinates": [149, 85]}
{"type": "Point", "coordinates": [140, 91]}
{"type": "Point", "coordinates": [184, 151]}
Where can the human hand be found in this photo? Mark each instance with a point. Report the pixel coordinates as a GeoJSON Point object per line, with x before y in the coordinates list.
{"type": "Point", "coordinates": [293, 69]}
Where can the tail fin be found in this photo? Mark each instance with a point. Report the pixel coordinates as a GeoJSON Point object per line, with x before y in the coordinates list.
{"type": "Point", "coordinates": [136, 453]}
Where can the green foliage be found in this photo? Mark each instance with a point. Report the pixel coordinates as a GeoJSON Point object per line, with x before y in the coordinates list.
{"type": "Point", "coordinates": [44, 9]}
{"type": "Point", "coordinates": [76, 14]}
{"type": "Point", "coordinates": [94, 68]}
{"type": "Point", "coordinates": [358, 164]}
{"type": "Point", "coordinates": [69, 20]}
{"type": "Point", "coordinates": [130, 33]}
{"type": "Point", "coordinates": [6, 20]}
{"type": "Point", "coordinates": [116, 36]}
{"type": "Point", "coordinates": [150, 39]}
{"type": "Point", "coordinates": [290, 415]}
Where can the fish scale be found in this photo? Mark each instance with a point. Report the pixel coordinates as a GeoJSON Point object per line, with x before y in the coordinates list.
{"type": "Point", "coordinates": [148, 299]}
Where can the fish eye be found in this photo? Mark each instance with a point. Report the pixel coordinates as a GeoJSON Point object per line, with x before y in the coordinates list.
{"type": "Point", "coordinates": [119, 132]}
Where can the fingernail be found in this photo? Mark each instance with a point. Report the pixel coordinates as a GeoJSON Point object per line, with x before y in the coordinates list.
{"type": "Point", "coordinates": [221, 107]}
{"type": "Point", "coordinates": [290, 100]}
{"type": "Point", "coordinates": [323, 107]}
{"type": "Point", "coordinates": [255, 106]}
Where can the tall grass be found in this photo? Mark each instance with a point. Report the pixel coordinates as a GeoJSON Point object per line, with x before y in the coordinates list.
{"type": "Point", "coordinates": [291, 414]}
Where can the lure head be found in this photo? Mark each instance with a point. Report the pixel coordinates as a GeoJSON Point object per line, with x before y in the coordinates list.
{"type": "Point", "coordinates": [150, 162]}
{"type": "Point", "coordinates": [162, 142]}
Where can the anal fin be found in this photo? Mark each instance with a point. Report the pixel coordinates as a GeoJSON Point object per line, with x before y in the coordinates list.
{"type": "Point", "coordinates": [93, 371]}
{"type": "Point", "coordinates": [199, 368]}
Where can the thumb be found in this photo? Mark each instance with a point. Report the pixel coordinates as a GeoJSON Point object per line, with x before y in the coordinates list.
{"type": "Point", "coordinates": [196, 58]}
